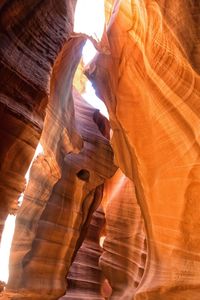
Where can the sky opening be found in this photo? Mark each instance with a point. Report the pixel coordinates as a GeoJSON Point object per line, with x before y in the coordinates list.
{"type": "Point", "coordinates": [90, 19]}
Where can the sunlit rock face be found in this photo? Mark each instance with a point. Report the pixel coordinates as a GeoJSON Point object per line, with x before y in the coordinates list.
{"type": "Point", "coordinates": [151, 86]}
{"type": "Point", "coordinates": [124, 249]}
{"type": "Point", "coordinates": [32, 34]}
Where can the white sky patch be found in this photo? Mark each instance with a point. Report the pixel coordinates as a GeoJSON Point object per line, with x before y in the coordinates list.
{"type": "Point", "coordinates": [93, 100]}
{"type": "Point", "coordinates": [5, 245]}
{"type": "Point", "coordinates": [89, 52]}
{"type": "Point", "coordinates": [90, 19]}
{"type": "Point", "coordinates": [101, 240]}
{"type": "Point", "coordinates": [38, 151]}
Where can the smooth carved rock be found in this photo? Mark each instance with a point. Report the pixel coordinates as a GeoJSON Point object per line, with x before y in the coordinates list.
{"type": "Point", "coordinates": [148, 76]}
{"type": "Point", "coordinates": [124, 252]}
{"type": "Point", "coordinates": [18, 142]}
{"type": "Point", "coordinates": [151, 86]}
{"type": "Point", "coordinates": [124, 256]}
{"type": "Point", "coordinates": [85, 276]}
{"type": "Point", "coordinates": [53, 219]}
{"type": "Point", "coordinates": [56, 141]}
{"type": "Point", "coordinates": [32, 34]}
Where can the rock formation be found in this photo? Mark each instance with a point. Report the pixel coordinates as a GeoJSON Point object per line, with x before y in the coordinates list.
{"type": "Point", "coordinates": [85, 277]}
{"type": "Point", "coordinates": [32, 34]}
{"type": "Point", "coordinates": [124, 257]}
{"type": "Point", "coordinates": [58, 204]}
{"type": "Point", "coordinates": [151, 86]}
{"type": "Point", "coordinates": [147, 212]}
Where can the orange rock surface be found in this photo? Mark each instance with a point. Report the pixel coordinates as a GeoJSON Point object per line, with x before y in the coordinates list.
{"type": "Point", "coordinates": [139, 192]}
{"type": "Point", "coordinates": [124, 249]}
{"type": "Point", "coordinates": [151, 86]}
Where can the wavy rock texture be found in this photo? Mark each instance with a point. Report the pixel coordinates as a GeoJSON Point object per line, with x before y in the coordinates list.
{"type": "Point", "coordinates": [124, 256]}
{"type": "Point", "coordinates": [85, 277]}
{"type": "Point", "coordinates": [54, 216]}
{"type": "Point", "coordinates": [56, 140]}
{"type": "Point", "coordinates": [151, 86]}
{"type": "Point", "coordinates": [149, 80]}
{"type": "Point", "coordinates": [32, 34]}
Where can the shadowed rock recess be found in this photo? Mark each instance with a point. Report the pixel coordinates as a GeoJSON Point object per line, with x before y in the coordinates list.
{"type": "Point", "coordinates": [111, 209]}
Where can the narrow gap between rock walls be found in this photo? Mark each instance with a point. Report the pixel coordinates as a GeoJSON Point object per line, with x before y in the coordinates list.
{"type": "Point", "coordinates": [90, 19]}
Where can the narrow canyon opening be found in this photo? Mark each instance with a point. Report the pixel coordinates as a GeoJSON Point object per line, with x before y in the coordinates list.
{"type": "Point", "coordinates": [89, 19]}
{"type": "Point", "coordinates": [99, 198]}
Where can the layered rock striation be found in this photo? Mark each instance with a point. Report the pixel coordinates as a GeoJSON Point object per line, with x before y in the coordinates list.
{"type": "Point", "coordinates": [85, 278]}
{"type": "Point", "coordinates": [124, 254]}
{"type": "Point", "coordinates": [58, 205]}
{"type": "Point", "coordinates": [148, 75]}
{"type": "Point", "coordinates": [151, 86]}
{"type": "Point", "coordinates": [32, 33]}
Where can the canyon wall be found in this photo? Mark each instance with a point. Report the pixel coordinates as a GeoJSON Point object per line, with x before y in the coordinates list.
{"type": "Point", "coordinates": [124, 254]}
{"type": "Point", "coordinates": [32, 33]}
{"type": "Point", "coordinates": [86, 230]}
{"type": "Point", "coordinates": [151, 86]}
{"type": "Point", "coordinates": [58, 204]}
{"type": "Point", "coordinates": [85, 278]}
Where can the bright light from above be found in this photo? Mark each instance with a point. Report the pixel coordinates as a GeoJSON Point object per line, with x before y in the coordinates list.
{"type": "Point", "coordinates": [38, 151]}
{"type": "Point", "coordinates": [93, 100]}
{"type": "Point", "coordinates": [5, 245]}
{"type": "Point", "coordinates": [101, 241]}
{"type": "Point", "coordinates": [89, 52]}
{"type": "Point", "coordinates": [90, 18]}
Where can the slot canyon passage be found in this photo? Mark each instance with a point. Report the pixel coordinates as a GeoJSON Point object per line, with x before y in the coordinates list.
{"type": "Point", "coordinates": [110, 208]}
